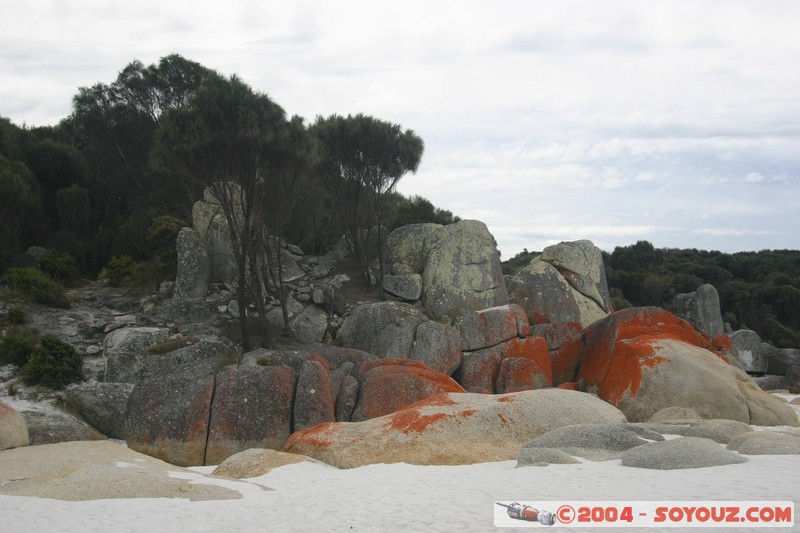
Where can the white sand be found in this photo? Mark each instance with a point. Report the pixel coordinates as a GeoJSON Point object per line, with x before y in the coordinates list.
{"type": "Point", "coordinates": [398, 497]}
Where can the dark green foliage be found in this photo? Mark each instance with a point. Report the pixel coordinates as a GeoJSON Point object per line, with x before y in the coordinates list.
{"type": "Point", "coordinates": [120, 270]}
{"type": "Point", "coordinates": [32, 284]}
{"type": "Point", "coordinates": [17, 345]}
{"type": "Point", "coordinates": [60, 266]}
{"type": "Point", "coordinates": [16, 317]}
{"type": "Point", "coordinates": [518, 262]}
{"type": "Point", "coordinates": [417, 210]}
{"type": "Point", "coordinates": [53, 363]}
{"type": "Point", "coordinates": [758, 290]}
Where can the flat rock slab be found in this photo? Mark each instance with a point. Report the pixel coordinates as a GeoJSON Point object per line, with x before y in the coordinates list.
{"type": "Point", "coordinates": [718, 430]}
{"type": "Point", "coordinates": [544, 457]}
{"type": "Point", "coordinates": [255, 462]}
{"type": "Point", "coordinates": [766, 443]}
{"type": "Point", "coordinates": [685, 452]}
{"type": "Point", "coordinates": [97, 470]}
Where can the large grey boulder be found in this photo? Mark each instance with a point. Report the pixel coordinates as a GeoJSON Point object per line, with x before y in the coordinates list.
{"type": "Point", "coordinates": [309, 326]}
{"type": "Point", "coordinates": [13, 428]}
{"type": "Point", "coordinates": [191, 280]}
{"type": "Point", "coordinates": [765, 443]}
{"type": "Point", "coordinates": [780, 361]}
{"type": "Point", "coordinates": [463, 272]}
{"type": "Point", "coordinates": [408, 247]}
{"type": "Point", "coordinates": [566, 283]}
{"type": "Point", "coordinates": [50, 427]}
{"type": "Point", "coordinates": [702, 309]}
{"type": "Point", "coordinates": [404, 286]}
{"type": "Point", "coordinates": [385, 329]}
{"type": "Point", "coordinates": [645, 359]}
{"type": "Point", "coordinates": [400, 330]}
{"type": "Point", "coordinates": [168, 415]}
{"type": "Point", "coordinates": [314, 397]}
{"type": "Point", "coordinates": [746, 346]}
{"type": "Point", "coordinates": [124, 344]}
{"type": "Point", "coordinates": [490, 327]}
{"type": "Point", "coordinates": [132, 364]}
{"type": "Point", "coordinates": [453, 428]}
{"type": "Point", "coordinates": [529, 456]}
{"type": "Point", "coordinates": [102, 405]}
{"type": "Point", "coordinates": [209, 221]}
{"type": "Point", "coordinates": [685, 452]}
{"type": "Point", "coordinates": [593, 441]}
{"type": "Point", "coordinates": [251, 408]}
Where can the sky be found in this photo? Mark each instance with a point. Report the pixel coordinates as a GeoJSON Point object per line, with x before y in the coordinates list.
{"type": "Point", "coordinates": [672, 121]}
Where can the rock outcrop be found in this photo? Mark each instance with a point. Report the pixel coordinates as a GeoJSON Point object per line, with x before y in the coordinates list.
{"type": "Point", "coordinates": [566, 283]}
{"type": "Point", "coordinates": [644, 359]}
{"type": "Point", "coordinates": [454, 428]}
{"type": "Point", "coordinates": [685, 452]}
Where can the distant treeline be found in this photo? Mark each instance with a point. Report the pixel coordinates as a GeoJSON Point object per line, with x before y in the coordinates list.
{"type": "Point", "coordinates": [757, 290]}
{"type": "Point", "coordinates": [89, 187]}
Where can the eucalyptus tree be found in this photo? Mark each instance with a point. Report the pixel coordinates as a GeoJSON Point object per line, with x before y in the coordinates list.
{"type": "Point", "coordinates": [363, 160]}
{"type": "Point", "coordinates": [231, 140]}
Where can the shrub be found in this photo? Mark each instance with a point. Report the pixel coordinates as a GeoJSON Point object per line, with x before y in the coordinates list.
{"type": "Point", "coordinates": [53, 364]}
{"type": "Point", "coordinates": [16, 316]}
{"type": "Point", "coordinates": [60, 266]}
{"type": "Point", "coordinates": [17, 345]}
{"type": "Point", "coordinates": [33, 284]}
{"type": "Point", "coordinates": [119, 270]}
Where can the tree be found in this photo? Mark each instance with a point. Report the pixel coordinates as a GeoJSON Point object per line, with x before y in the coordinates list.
{"type": "Point", "coordinates": [363, 160]}
{"type": "Point", "coordinates": [227, 137]}
{"type": "Point", "coordinates": [19, 207]}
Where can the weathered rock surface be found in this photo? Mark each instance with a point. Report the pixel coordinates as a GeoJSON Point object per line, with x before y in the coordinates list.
{"type": "Point", "coordinates": [255, 462]}
{"type": "Point", "coordinates": [400, 330]}
{"type": "Point", "coordinates": [168, 416]}
{"type": "Point", "coordinates": [310, 325]}
{"type": "Point", "coordinates": [529, 456]}
{"type": "Point", "coordinates": [593, 441]}
{"type": "Point", "coordinates": [644, 359]}
{"type": "Point", "coordinates": [685, 452]}
{"type": "Point", "coordinates": [746, 346]}
{"type": "Point", "coordinates": [251, 408]}
{"type": "Point", "coordinates": [102, 405]}
{"type": "Point", "coordinates": [463, 272]}
{"type": "Point", "coordinates": [408, 247]}
{"type": "Point", "coordinates": [314, 399]}
{"type": "Point", "coordinates": [455, 428]}
{"type": "Point", "coordinates": [54, 427]}
{"type": "Point", "coordinates": [565, 344]}
{"type": "Point", "coordinates": [99, 470]}
{"type": "Point", "coordinates": [13, 428]}
{"type": "Point", "coordinates": [780, 361]}
{"type": "Point", "coordinates": [191, 280]}
{"type": "Point", "coordinates": [130, 363]}
{"type": "Point", "coordinates": [673, 413]}
{"type": "Point", "coordinates": [566, 283]}
{"type": "Point", "coordinates": [404, 286]}
{"type": "Point", "coordinates": [489, 327]}
{"type": "Point", "coordinates": [718, 430]}
{"type": "Point", "coordinates": [702, 309]}
{"type": "Point", "coordinates": [391, 384]}
{"type": "Point", "coordinates": [765, 443]}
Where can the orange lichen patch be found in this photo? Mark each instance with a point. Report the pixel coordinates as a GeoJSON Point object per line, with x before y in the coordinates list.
{"type": "Point", "coordinates": [572, 385]}
{"type": "Point", "coordinates": [437, 400]}
{"type": "Point", "coordinates": [411, 420]}
{"type": "Point", "coordinates": [502, 419]}
{"type": "Point", "coordinates": [535, 349]}
{"type": "Point", "coordinates": [506, 398]}
{"type": "Point", "coordinates": [366, 366]}
{"type": "Point", "coordinates": [310, 437]}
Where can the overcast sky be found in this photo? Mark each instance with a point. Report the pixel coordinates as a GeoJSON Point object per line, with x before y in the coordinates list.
{"type": "Point", "coordinates": [673, 121]}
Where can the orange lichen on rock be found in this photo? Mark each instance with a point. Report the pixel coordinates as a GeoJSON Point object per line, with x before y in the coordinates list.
{"type": "Point", "coordinates": [620, 346]}
{"type": "Point", "coordinates": [310, 437]}
{"type": "Point", "coordinates": [535, 349]}
{"type": "Point", "coordinates": [571, 385]}
{"type": "Point", "coordinates": [412, 420]}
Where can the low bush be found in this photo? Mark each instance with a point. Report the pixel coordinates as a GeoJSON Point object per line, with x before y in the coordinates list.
{"type": "Point", "coordinates": [53, 363]}
{"type": "Point", "coordinates": [60, 266]}
{"type": "Point", "coordinates": [16, 317]}
{"type": "Point", "coordinates": [17, 345]}
{"type": "Point", "coordinates": [120, 270]}
{"type": "Point", "coordinates": [32, 284]}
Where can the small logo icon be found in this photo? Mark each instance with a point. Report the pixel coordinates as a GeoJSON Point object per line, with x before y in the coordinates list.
{"type": "Point", "coordinates": [528, 513]}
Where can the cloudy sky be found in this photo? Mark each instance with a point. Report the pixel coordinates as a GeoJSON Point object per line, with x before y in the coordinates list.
{"type": "Point", "coordinates": [673, 121]}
